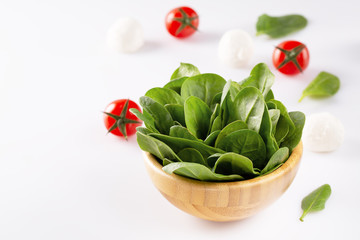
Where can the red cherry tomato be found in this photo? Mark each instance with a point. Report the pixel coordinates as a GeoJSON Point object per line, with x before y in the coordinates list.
{"type": "Point", "coordinates": [291, 57]}
{"type": "Point", "coordinates": [182, 22]}
{"type": "Point", "coordinates": [118, 120]}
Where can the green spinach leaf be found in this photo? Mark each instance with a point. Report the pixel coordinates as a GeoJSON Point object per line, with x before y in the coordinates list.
{"type": "Point", "coordinates": [230, 128]}
{"type": "Point", "coordinates": [274, 117]}
{"type": "Point", "coordinates": [324, 85]}
{"type": "Point", "coordinates": [164, 96]}
{"type": "Point", "coordinates": [232, 163]}
{"type": "Point", "coordinates": [266, 132]}
{"type": "Point", "coordinates": [176, 84]}
{"type": "Point", "coordinates": [249, 107]}
{"type": "Point", "coordinates": [269, 95]}
{"type": "Point", "coordinates": [143, 130]}
{"type": "Point", "coordinates": [185, 70]}
{"type": "Point", "coordinates": [177, 144]}
{"type": "Point", "coordinates": [277, 159]}
{"type": "Point", "coordinates": [197, 116]}
{"type": "Point", "coordinates": [204, 86]}
{"type": "Point", "coordinates": [191, 155]}
{"type": "Point", "coordinates": [214, 114]}
{"type": "Point", "coordinates": [282, 130]}
{"type": "Point", "coordinates": [277, 27]}
{"type": "Point", "coordinates": [247, 143]}
{"type": "Point", "coordinates": [156, 147]}
{"type": "Point", "coordinates": [292, 140]}
{"type": "Point", "coordinates": [181, 132]}
{"type": "Point", "coordinates": [260, 77]}
{"type": "Point", "coordinates": [177, 112]}
{"type": "Point", "coordinates": [316, 200]}
{"type": "Point", "coordinates": [162, 118]}
{"type": "Point", "coordinates": [198, 172]}
{"type": "Point", "coordinates": [283, 114]}
{"type": "Point", "coordinates": [211, 138]}
{"type": "Point", "coordinates": [146, 118]}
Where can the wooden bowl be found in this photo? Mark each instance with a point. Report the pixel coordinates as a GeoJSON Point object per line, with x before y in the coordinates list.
{"type": "Point", "coordinates": [224, 201]}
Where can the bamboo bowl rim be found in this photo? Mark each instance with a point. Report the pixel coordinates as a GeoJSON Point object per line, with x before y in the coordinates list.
{"type": "Point", "coordinates": [290, 163]}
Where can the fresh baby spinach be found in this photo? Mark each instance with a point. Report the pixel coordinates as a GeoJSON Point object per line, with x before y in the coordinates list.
{"type": "Point", "coordinates": [324, 85]}
{"type": "Point", "coordinates": [261, 78]}
{"type": "Point", "coordinates": [161, 117]}
{"type": "Point", "coordinates": [292, 140]}
{"type": "Point", "coordinates": [156, 147]}
{"type": "Point", "coordinates": [249, 107]}
{"type": "Point", "coordinates": [177, 112]}
{"type": "Point", "coordinates": [276, 27]}
{"type": "Point", "coordinates": [197, 115]}
{"type": "Point", "coordinates": [199, 172]}
{"type": "Point", "coordinates": [191, 155]}
{"type": "Point", "coordinates": [232, 163]}
{"type": "Point", "coordinates": [247, 143]}
{"type": "Point", "coordinates": [278, 158]}
{"type": "Point", "coordinates": [185, 70]}
{"type": "Point", "coordinates": [316, 200]}
{"type": "Point", "coordinates": [164, 96]}
{"type": "Point", "coordinates": [201, 127]}
{"type": "Point", "coordinates": [204, 86]}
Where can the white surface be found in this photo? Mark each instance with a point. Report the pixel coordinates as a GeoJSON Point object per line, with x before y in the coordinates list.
{"type": "Point", "coordinates": [62, 177]}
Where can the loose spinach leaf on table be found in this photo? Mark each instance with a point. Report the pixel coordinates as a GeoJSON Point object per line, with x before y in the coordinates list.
{"type": "Point", "coordinates": [281, 26]}
{"type": "Point", "coordinates": [185, 70]}
{"type": "Point", "coordinates": [316, 200]}
{"type": "Point", "coordinates": [199, 172]}
{"type": "Point", "coordinates": [324, 85]}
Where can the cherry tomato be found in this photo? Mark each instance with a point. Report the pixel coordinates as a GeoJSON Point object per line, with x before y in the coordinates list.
{"type": "Point", "coordinates": [291, 57]}
{"type": "Point", "coordinates": [118, 120]}
{"type": "Point", "coordinates": [182, 22]}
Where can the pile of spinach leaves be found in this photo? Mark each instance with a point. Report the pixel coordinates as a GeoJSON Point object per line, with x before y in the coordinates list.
{"type": "Point", "coordinates": [206, 128]}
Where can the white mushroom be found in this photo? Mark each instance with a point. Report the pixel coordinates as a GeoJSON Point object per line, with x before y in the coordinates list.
{"type": "Point", "coordinates": [125, 35]}
{"type": "Point", "coordinates": [323, 133]}
{"type": "Point", "coordinates": [236, 48]}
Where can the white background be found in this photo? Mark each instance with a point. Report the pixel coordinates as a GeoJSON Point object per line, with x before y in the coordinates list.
{"type": "Point", "coordinates": [62, 177]}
